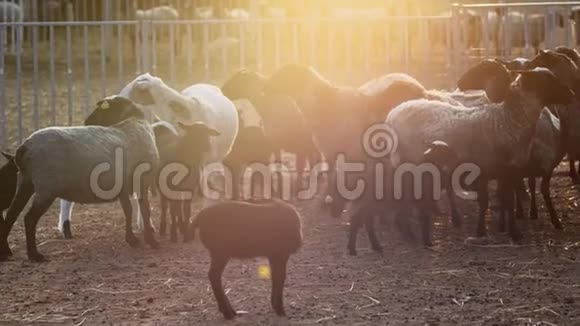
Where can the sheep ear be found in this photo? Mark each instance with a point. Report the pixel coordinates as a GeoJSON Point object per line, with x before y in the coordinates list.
{"type": "Point", "coordinates": [500, 60]}
{"type": "Point", "coordinates": [199, 126]}
{"type": "Point", "coordinates": [179, 110]}
{"type": "Point", "coordinates": [8, 156]}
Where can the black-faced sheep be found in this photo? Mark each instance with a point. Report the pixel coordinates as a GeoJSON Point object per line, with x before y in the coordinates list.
{"type": "Point", "coordinates": [284, 123]}
{"type": "Point", "coordinates": [116, 136]}
{"type": "Point", "coordinates": [234, 229]}
{"type": "Point", "coordinates": [8, 175]}
{"type": "Point", "coordinates": [569, 73]}
{"type": "Point", "coordinates": [251, 147]}
{"type": "Point", "coordinates": [187, 150]}
{"type": "Point", "coordinates": [501, 133]}
{"type": "Point", "coordinates": [571, 53]}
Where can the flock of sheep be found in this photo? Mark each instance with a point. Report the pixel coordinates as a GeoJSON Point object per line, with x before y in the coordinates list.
{"type": "Point", "coordinates": [512, 119]}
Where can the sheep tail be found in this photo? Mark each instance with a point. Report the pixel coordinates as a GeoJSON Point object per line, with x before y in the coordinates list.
{"type": "Point", "coordinates": [19, 156]}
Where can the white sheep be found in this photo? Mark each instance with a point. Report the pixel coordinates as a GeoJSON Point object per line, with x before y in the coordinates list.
{"type": "Point", "coordinates": [11, 12]}
{"type": "Point", "coordinates": [160, 13]}
{"type": "Point", "coordinates": [197, 103]}
{"type": "Point", "coordinates": [60, 162]}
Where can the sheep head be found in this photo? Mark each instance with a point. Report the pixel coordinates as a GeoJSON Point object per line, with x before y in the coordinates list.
{"type": "Point", "coordinates": [141, 90]}
{"type": "Point", "coordinates": [515, 64]}
{"type": "Point", "coordinates": [441, 154]}
{"type": "Point", "coordinates": [571, 53]}
{"type": "Point", "coordinates": [560, 64]}
{"type": "Point", "coordinates": [9, 157]}
{"type": "Point", "coordinates": [293, 80]}
{"type": "Point", "coordinates": [244, 84]}
{"type": "Point", "coordinates": [542, 84]}
{"type": "Point", "coordinates": [197, 136]}
{"type": "Point", "coordinates": [112, 110]}
{"type": "Point", "coordinates": [489, 75]}
{"type": "Point", "coordinates": [165, 102]}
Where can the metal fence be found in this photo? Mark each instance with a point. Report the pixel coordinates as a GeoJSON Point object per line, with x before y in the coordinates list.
{"type": "Point", "coordinates": [511, 30]}
{"type": "Point", "coordinates": [51, 73]}
{"type": "Point", "coordinates": [57, 80]}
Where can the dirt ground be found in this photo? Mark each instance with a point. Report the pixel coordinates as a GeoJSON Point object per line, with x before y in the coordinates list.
{"type": "Point", "coordinates": [96, 278]}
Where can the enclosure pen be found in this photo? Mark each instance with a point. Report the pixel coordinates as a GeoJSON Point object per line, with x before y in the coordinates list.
{"type": "Point", "coordinates": [290, 90]}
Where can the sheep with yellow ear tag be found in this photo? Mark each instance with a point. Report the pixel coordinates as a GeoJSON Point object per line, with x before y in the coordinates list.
{"type": "Point", "coordinates": [104, 105]}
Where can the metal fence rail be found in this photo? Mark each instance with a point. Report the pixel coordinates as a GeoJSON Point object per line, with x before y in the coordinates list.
{"type": "Point", "coordinates": [51, 73]}
{"type": "Point", "coordinates": [57, 80]}
{"type": "Point", "coordinates": [511, 29]}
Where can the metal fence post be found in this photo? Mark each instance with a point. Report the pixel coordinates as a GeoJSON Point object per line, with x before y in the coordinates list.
{"type": "Point", "coordinates": [457, 51]}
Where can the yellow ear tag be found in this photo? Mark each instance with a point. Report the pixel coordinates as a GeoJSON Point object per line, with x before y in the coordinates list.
{"type": "Point", "coordinates": [264, 272]}
{"type": "Point", "coordinates": [104, 105]}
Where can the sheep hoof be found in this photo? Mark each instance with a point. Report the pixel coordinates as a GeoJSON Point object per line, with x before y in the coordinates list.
{"type": "Point", "coordinates": [456, 220]}
{"type": "Point", "coordinates": [533, 215]}
{"type": "Point", "coordinates": [132, 240]}
{"type": "Point", "coordinates": [501, 228]}
{"type": "Point", "coordinates": [5, 251]}
{"type": "Point", "coordinates": [152, 243]}
{"type": "Point", "coordinates": [516, 237]}
{"type": "Point", "coordinates": [36, 257]}
{"type": "Point", "coordinates": [352, 252]}
{"type": "Point", "coordinates": [66, 231]}
{"type": "Point", "coordinates": [229, 314]}
{"type": "Point", "coordinates": [558, 225]}
{"type": "Point", "coordinates": [378, 249]}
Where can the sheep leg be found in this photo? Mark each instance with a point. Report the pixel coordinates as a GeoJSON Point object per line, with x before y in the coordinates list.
{"type": "Point", "coordinates": [520, 190]}
{"type": "Point", "coordinates": [455, 216]}
{"type": "Point", "coordinates": [145, 207]}
{"type": "Point", "coordinates": [130, 237]}
{"type": "Point", "coordinates": [278, 189]}
{"type": "Point", "coordinates": [483, 203]}
{"type": "Point", "coordinates": [370, 227]}
{"type": "Point", "coordinates": [501, 220]}
{"type": "Point", "coordinates": [355, 223]}
{"type": "Point", "coordinates": [173, 211]}
{"type": "Point", "coordinates": [185, 227]}
{"type": "Point", "coordinates": [502, 193]}
{"type": "Point", "coordinates": [573, 173]}
{"type": "Point", "coordinates": [402, 224]}
{"type": "Point", "coordinates": [216, 269]}
{"type": "Point", "coordinates": [533, 204]}
{"type": "Point", "coordinates": [278, 268]}
{"type": "Point", "coordinates": [163, 217]}
{"type": "Point", "coordinates": [24, 191]}
{"type": "Point", "coordinates": [38, 208]}
{"type": "Point", "coordinates": [426, 226]}
{"type": "Point", "coordinates": [300, 164]}
{"type": "Point", "coordinates": [236, 181]}
{"type": "Point", "coordinates": [64, 218]}
{"type": "Point", "coordinates": [508, 199]}
{"type": "Point", "coordinates": [545, 189]}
